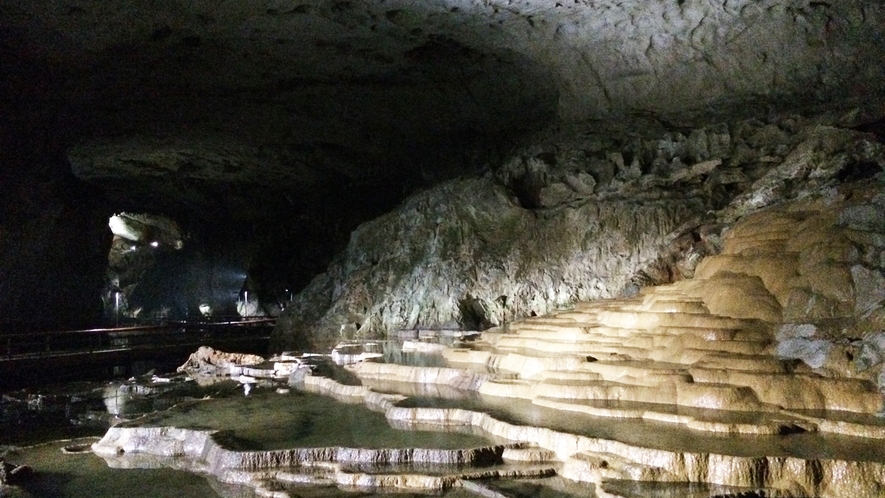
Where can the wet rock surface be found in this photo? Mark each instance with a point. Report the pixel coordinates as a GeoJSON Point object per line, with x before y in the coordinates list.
{"type": "Point", "coordinates": [209, 360]}
{"type": "Point", "coordinates": [696, 381]}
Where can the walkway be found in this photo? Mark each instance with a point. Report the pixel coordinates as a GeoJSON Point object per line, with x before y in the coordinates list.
{"type": "Point", "coordinates": [37, 357]}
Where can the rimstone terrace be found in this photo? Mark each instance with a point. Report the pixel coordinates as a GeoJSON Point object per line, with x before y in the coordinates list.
{"type": "Point", "coordinates": [642, 245]}
{"type": "Point", "coordinates": [739, 380]}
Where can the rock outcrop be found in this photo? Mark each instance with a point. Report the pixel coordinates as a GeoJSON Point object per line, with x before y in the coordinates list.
{"type": "Point", "coordinates": [209, 361]}
{"type": "Point", "coordinates": [456, 255]}
{"type": "Point", "coordinates": [13, 474]}
{"type": "Point", "coordinates": [574, 218]}
{"type": "Point", "coordinates": [721, 353]}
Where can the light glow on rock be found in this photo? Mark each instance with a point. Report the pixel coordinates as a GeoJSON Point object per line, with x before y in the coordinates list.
{"type": "Point", "coordinates": [120, 228]}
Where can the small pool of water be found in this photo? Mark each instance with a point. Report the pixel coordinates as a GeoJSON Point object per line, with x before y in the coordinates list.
{"type": "Point", "coordinates": [549, 487]}
{"type": "Point", "coordinates": [59, 475]}
{"type": "Point", "coordinates": [414, 359]}
{"type": "Point", "coordinates": [265, 420]}
{"type": "Point", "coordinates": [662, 435]}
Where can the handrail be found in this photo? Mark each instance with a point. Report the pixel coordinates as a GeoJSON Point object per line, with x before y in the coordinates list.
{"type": "Point", "coordinates": [166, 325]}
{"type": "Point", "coordinates": [48, 343]}
{"type": "Point", "coordinates": [87, 331]}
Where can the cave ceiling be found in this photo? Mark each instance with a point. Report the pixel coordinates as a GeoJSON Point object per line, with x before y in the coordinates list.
{"type": "Point", "coordinates": [246, 108]}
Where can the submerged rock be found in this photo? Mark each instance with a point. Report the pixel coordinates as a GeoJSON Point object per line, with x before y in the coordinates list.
{"type": "Point", "coordinates": [206, 360]}
{"type": "Point", "coordinates": [11, 474]}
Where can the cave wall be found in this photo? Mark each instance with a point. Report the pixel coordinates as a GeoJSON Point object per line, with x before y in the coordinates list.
{"type": "Point", "coordinates": [576, 217]}
{"type": "Point", "coordinates": [446, 256]}
{"type": "Point", "coordinates": [54, 240]}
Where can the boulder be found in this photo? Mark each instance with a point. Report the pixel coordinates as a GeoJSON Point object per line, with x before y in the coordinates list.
{"type": "Point", "coordinates": [207, 360]}
{"type": "Point", "coordinates": [11, 474]}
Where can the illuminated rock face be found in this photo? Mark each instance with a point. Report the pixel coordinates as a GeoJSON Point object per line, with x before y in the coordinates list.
{"type": "Point", "coordinates": [723, 339]}
{"type": "Point", "coordinates": [471, 254]}
{"type": "Point", "coordinates": [543, 153]}
{"type": "Point", "coordinates": [732, 351]}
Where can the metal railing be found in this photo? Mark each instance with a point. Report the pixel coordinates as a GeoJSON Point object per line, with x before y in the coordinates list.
{"type": "Point", "coordinates": [56, 343]}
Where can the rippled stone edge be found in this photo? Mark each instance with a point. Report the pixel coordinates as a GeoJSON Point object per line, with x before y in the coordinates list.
{"type": "Point", "coordinates": [594, 460]}
{"type": "Point", "coordinates": [198, 451]}
{"type": "Point", "coordinates": [586, 459]}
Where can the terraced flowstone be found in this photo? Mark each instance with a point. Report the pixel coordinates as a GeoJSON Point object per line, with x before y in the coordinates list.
{"type": "Point", "coordinates": [179, 439]}
{"type": "Point", "coordinates": [757, 464]}
{"type": "Point", "coordinates": [712, 380]}
{"type": "Point", "coordinates": [711, 385]}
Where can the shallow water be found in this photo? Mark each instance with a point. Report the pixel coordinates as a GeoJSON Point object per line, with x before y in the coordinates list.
{"type": "Point", "coordinates": [262, 420]}
{"type": "Point", "coordinates": [662, 435]}
{"type": "Point", "coordinates": [59, 475]}
{"type": "Point", "coordinates": [265, 420]}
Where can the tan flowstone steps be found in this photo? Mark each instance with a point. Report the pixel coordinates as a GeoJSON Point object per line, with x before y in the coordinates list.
{"type": "Point", "coordinates": [672, 306]}
{"type": "Point", "coordinates": [669, 302]}
{"type": "Point", "coordinates": [552, 320]}
{"type": "Point", "coordinates": [647, 320]}
{"type": "Point", "coordinates": [762, 364]}
{"type": "Point", "coordinates": [546, 347]}
{"type": "Point", "coordinates": [599, 306]}
{"type": "Point", "coordinates": [698, 358]}
{"type": "Point", "coordinates": [574, 335]}
{"type": "Point", "coordinates": [683, 394]}
{"type": "Point", "coordinates": [716, 421]}
{"type": "Point", "coordinates": [573, 376]}
{"type": "Point", "coordinates": [747, 245]}
{"type": "Point", "coordinates": [613, 332]}
{"type": "Point", "coordinates": [582, 317]}
{"type": "Point", "coordinates": [759, 333]}
{"type": "Point", "coordinates": [687, 341]}
{"type": "Point", "coordinates": [640, 372]}
{"type": "Point", "coordinates": [798, 390]}
{"type": "Point", "coordinates": [549, 329]}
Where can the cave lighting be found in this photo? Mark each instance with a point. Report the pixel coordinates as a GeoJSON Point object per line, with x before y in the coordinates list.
{"type": "Point", "coordinates": [120, 228]}
{"type": "Point", "coordinates": [155, 244]}
{"type": "Point", "coordinates": [117, 294]}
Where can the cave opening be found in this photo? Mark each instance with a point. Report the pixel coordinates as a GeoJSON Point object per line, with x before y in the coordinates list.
{"type": "Point", "coordinates": [157, 271]}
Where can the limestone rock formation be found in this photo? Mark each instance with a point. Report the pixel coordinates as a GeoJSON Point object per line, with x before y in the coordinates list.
{"type": "Point", "coordinates": [720, 353]}
{"type": "Point", "coordinates": [715, 167]}
{"type": "Point", "coordinates": [582, 222]}
{"type": "Point", "coordinates": [757, 377]}
{"type": "Point", "coordinates": [451, 257]}
{"type": "Point", "coordinates": [210, 361]}
{"type": "Point", "coordinates": [279, 126]}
